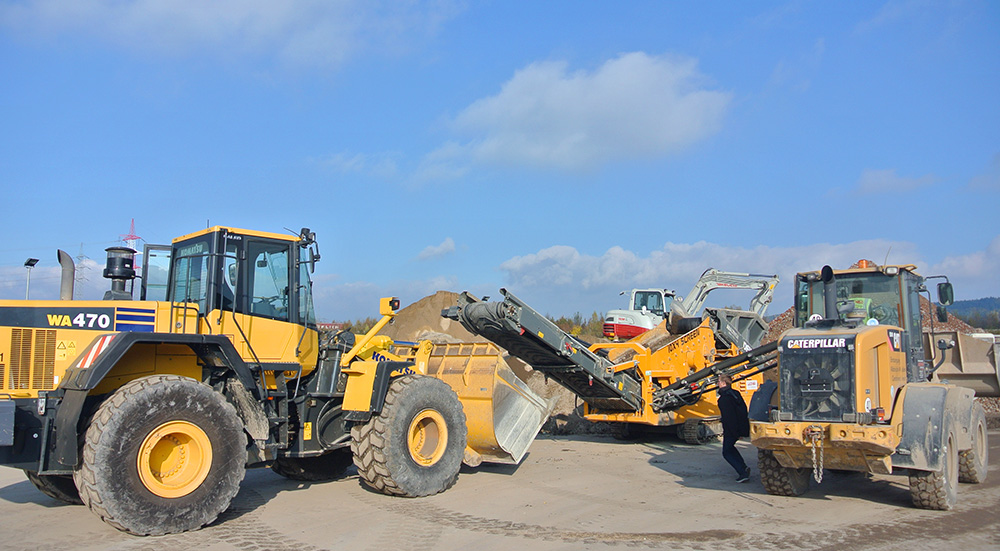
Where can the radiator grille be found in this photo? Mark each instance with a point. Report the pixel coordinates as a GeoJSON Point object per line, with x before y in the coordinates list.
{"type": "Point", "coordinates": [32, 359]}
{"type": "Point", "coordinates": [44, 365]}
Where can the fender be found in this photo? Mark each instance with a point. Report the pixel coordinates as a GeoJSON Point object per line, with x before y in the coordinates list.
{"type": "Point", "coordinates": [367, 384]}
{"type": "Point", "coordinates": [930, 410]}
{"type": "Point", "coordinates": [961, 405]}
{"type": "Point", "coordinates": [100, 357]}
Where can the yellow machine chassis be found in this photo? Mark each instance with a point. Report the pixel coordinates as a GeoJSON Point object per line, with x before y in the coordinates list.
{"type": "Point", "coordinates": [679, 358]}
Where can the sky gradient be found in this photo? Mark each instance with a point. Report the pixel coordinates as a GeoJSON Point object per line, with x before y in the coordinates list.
{"type": "Point", "coordinates": [564, 150]}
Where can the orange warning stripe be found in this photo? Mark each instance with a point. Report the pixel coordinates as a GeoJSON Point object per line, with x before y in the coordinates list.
{"type": "Point", "coordinates": [96, 351]}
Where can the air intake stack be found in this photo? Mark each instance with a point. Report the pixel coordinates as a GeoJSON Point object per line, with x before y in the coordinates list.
{"type": "Point", "coordinates": [119, 270]}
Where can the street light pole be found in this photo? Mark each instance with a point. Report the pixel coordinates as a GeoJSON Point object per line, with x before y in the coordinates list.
{"type": "Point", "coordinates": [29, 264]}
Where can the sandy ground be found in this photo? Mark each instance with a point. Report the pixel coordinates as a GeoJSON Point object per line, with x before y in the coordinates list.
{"type": "Point", "coordinates": [570, 492]}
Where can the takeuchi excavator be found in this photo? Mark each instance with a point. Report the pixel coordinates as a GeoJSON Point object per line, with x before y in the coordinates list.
{"type": "Point", "coordinates": [149, 411]}
{"type": "Point", "coordinates": [648, 308]}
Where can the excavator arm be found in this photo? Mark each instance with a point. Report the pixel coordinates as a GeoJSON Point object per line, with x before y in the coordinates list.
{"type": "Point", "coordinates": [714, 279]}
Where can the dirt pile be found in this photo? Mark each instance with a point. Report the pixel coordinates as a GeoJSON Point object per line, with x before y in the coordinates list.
{"type": "Point", "coordinates": [422, 321]}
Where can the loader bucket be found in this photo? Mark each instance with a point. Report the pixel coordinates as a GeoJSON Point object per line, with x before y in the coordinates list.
{"type": "Point", "coordinates": [503, 415]}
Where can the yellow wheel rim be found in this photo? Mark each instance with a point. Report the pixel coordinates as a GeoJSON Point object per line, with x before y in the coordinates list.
{"type": "Point", "coordinates": [174, 459]}
{"type": "Point", "coordinates": [427, 437]}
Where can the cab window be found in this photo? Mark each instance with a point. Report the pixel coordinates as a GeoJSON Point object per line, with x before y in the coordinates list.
{"type": "Point", "coordinates": [650, 300]}
{"type": "Point", "coordinates": [268, 268]}
{"type": "Point", "coordinates": [307, 316]}
{"type": "Point", "coordinates": [189, 280]}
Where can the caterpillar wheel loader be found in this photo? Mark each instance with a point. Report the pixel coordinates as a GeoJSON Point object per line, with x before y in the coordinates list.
{"type": "Point", "coordinates": [149, 411]}
{"type": "Point", "coordinates": [858, 391]}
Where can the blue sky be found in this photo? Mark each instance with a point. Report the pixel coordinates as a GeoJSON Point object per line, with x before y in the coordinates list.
{"type": "Point", "coordinates": [564, 150]}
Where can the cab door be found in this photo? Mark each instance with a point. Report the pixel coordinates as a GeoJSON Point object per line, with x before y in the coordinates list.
{"type": "Point", "coordinates": [255, 298]}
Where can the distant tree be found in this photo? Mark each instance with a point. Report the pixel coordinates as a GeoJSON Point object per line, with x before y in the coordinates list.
{"type": "Point", "coordinates": [983, 319]}
{"type": "Point", "coordinates": [360, 327]}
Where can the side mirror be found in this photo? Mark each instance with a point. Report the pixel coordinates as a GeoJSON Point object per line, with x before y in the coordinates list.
{"type": "Point", "coordinates": [312, 261]}
{"type": "Point", "coordinates": [942, 314]}
{"type": "Point", "coordinates": [946, 294]}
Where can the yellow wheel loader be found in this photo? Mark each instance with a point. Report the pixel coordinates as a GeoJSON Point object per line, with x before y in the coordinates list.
{"type": "Point", "coordinates": [148, 411]}
{"type": "Point", "coordinates": [859, 391]}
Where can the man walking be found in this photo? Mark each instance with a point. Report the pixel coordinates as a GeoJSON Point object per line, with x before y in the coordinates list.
{"type": "Point", "coordinates": [735, 424]}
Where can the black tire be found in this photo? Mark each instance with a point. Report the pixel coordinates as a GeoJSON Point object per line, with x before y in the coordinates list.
{"type": "Point", "coordinates": [146, 427]}
{"type": "Point", "coordinates": [778, 480]}
{"type": "Point", "coordinates": [937, 490]}
{"type": "Point", "coordinates": [328, 466]}
{"type": "Point", "coordinates": [58, 487]}
{"type": "Point", "coordinates": [415, 446]}
{"type": "Point", "coordinates": [974, 462]}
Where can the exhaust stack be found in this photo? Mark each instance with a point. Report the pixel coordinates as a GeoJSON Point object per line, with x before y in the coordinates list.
{"type": "Point", "coordinates": [68, 275]}
{"type": "Point", "coordinates": [829, 293]}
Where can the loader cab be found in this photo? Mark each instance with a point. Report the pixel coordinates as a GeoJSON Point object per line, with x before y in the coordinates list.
{"type": "Point", "coordinates": [870, 295]}
{"type": "Point", "coordinates": [254, 286]}
{"type": "Point", "coordinates": [242, 271]}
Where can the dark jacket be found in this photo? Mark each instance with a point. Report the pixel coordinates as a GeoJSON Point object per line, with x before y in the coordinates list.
{"type": "Point", "coordinates": [734, 413]}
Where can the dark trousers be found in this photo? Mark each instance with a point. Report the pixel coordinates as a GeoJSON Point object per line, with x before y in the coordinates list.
{"type": "Point", "coordinates": [732, 455]}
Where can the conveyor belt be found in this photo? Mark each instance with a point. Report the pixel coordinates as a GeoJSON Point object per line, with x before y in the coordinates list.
{"type": "Point", "coordinates": [528, 335]}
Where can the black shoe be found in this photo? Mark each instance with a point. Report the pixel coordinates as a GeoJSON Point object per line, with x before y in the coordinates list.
{"type": "Point", "coordinates": [744, 477]}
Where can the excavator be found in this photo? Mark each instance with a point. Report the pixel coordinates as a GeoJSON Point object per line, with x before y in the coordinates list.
{"type": "Point", "coordinates": [649, 307]}
{"type": "Point", "coordinates": [149, 411]}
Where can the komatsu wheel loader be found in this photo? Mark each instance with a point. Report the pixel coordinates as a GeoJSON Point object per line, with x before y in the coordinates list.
{"type": "Point", "coordinates": [860, 390]}
{"type": "Point", "coordinates": [149, 411]}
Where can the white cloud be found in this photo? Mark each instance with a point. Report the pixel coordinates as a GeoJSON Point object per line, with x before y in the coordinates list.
{"type": "Point", "coordinates": [304, 32]}
{"type": "Point", "coordinates": [988, 180]}
{"type": "Point", "coordinates": [887, 181]}
{"type": "Point", "coordinates": [437, 251]}
{"type": "Point", "coordinates": [636, 106]}
{"type": "Point", "coordinates": [382, 165]}
{"type": "Point", "coordinates": [978, 271]}
{"type": "Point", "coordinates": [564, 280]}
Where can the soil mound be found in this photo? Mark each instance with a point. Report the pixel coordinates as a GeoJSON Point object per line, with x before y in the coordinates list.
{"type": "Point", "coordinates": [422, 321]}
